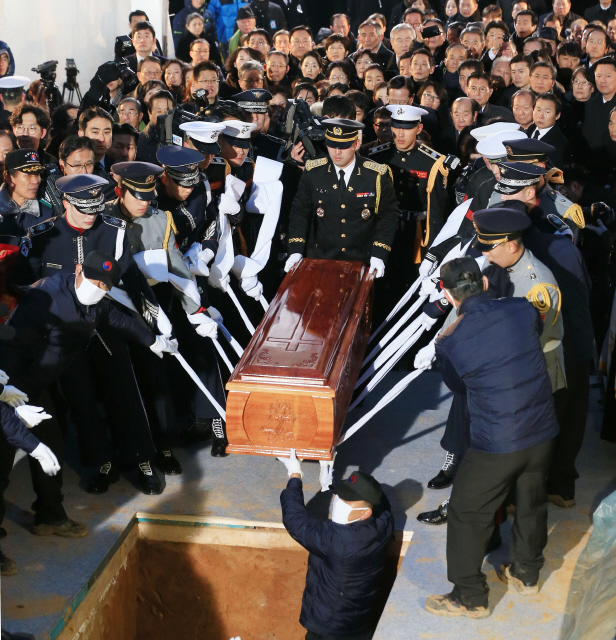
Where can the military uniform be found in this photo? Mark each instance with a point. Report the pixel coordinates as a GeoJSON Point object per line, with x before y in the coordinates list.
{"type": "Point", "coordinates": [356, 222]}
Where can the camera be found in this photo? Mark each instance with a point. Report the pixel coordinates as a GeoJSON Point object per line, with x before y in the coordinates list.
{"type": "Point", "coordinates": [302, 126]}
{"type": "Point", "coordinates": [123, 47]}
{"type": "Point", "coordinates": [599, 211]}
{"type": "Point", "coordinates": [167, 130]}
{"type": "Point", "coordinates": [71, 73]}
{"type": "Point", "coordinates": [431, 32]}
{"type": "Point", "coordinates": [127, 75]}
{"type": "Point", "coordinates": [47, 71]}
{"type": "Point", "coordinates": [452, 162]}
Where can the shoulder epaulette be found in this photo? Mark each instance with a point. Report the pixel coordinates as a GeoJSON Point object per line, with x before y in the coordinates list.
{"type": "Point", "coordinates": [42, 227]}
{"type": "Point", "coordinates": [575, 213]}
{"type": "Point", "coordinates": [375, 166]}
{"type": "Point", "coordinates": [114, 222]}
{"type": "Point", "coordinates": [274, 139]}
{"type": "Point", "coordinates": [317, 162]}
{"type": "Point", "coordinates": [539, 297]}
{"type": "Point", "coordinates": [379, 148]}
{"type": "Point", "coordinates": [430, 152]}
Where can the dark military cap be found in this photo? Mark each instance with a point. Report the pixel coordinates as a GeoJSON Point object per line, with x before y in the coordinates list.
{"type": "Point", "coordinates": [359, 486]}
{"type": "Point", "coordinates": [341, 133]}
{"type": "Point", "coordinates": [181, 164]}
{"type": "Point", "coordinates": [253, 100]}
{"type": "Point", "coordinates": [515, 176]}
{"type": "Point", "coordinates": [452, 271]}
{"type": "Point", "coordinates": [244, 12]}
{"type": "Point", "coordinates": [498, 225]}
{"type": "Point", "coordinates": [527, 150]}
{"type": "Point", "coordinates": [138, 177]}
{"type": "Point", "coordinates": [25, 160]}
{"type": "Point", "coordinates": [102, 266]}
{"type": "Point", "coordinates": [548, 33]}
{"type": "Point", "coordinates": [84, 191]}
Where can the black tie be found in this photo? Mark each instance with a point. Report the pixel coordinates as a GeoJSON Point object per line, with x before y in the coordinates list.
{"type": "Point", "coordinates": [536, 134]}
{"type": "Point", "coordinates": [341, 182]}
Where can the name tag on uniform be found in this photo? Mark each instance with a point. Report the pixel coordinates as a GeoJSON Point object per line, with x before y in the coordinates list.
{"type": "Point", "coordinates": [366, 194]}
{"type": "Point", "coordinates": [215, 185]}
{"type": "Point", "coordinates": [51, 265]}
{"type": "Point", "coordinates": [419, 174]}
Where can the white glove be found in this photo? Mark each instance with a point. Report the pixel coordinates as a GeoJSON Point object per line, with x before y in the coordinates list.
{"type": "Point", "coordinates": [326, 474]}
{"type": "Point", "coordinates": [292, 464]}
{"type": "Point", "coordinates": [3, 377]}
{"type": "Point", "coordinates": [228, 204]}
{"type": "Point", "coordinates": [252, 287]}
{"type": "Point", "coordinates": [426, 268]}
{"type": "Point", "coordinates": [31, 416]}
{"type": "Point", "coordinates": [427, 322]}
{"type": "Point", "coordinates": [425, 356]}
{"type": "Point", "coordinates": [204, 325]}
{"type": "Point", "coordinates": [377, 266]}
{"type": "Point", "coordinates": [217, 280]}
{"type": "Point", "coordinates": [47, 459]}
{"type": "Point", "coordinates": [164, 344]}
{"type": "Point", "coordinates": [13, 396]}
{"type": "Point", "coordinates": [427, 287]}
{"type": "Point", "coordinates": [598, 228]}
{"type": "Point", "coordinates": [197, 259]}
{"type": "Point", "coordinates": [215, 314]}
{"type": "Point", "coordinates": [293, 259]}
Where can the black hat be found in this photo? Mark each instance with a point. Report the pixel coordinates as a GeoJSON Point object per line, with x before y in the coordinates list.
{"type": "Point", "coordinates": [527, 150]}
{"type": "Point", "coordinates": [515, 176]}
{"type": "Point", "coordinates": [341, 133]}
{"type": "Point", "coordinates": [548, 33]}
{"type": "Point", "coordinates": [253, 100]}
{"type": "Point", "coordinates": [181, 164]}
{"type": "Point", "coordinates": [244, 12]}
{"type": "Point", "coordinates": [6, 331]}
{"type": "Point", "coordinates": [498, 225]}
{"type": "Point", "coordinates": [138, 177]}
{"type": "Point", "coordinates": [84, 191]}
{"type": "Point", "coordinates": [452, 270]}
{"type": "Point", "coordinates": [359, 486]}
{"type": "Point", "coordinates": [25, 160]}
{"type": "Point", "coordinates": [102, 266]}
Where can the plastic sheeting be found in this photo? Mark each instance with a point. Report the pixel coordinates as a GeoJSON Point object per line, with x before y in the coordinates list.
{"type": "Point", "coordinates": [42, 30]}
{"type": "Point", "coordinates": [591, 606]}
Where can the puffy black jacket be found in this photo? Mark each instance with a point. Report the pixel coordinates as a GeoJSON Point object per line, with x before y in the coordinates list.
{"type": "Point", "coordinates": [492, 352]}
{"type": "Point", "coordinates": [345, 566]}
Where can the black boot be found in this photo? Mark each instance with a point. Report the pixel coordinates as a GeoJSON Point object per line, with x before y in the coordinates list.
{"type": "Point", "coordinates": [220, 438]}
{"type": "Point", "coordinates": [438, 516]}
{"type": "Point", "coordinates": [107, 474]}
{"type": "Point", "coordinates": [168, 463]}
{"type": "Point", "coordinates": [148, 480]}
{"type": "Point", "coordinates": [445, 476]}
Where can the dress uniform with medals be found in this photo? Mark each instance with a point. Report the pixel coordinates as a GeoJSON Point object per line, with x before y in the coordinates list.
{"type": "Point", "coordinates": [346, 213]}
{"type": "Point", "coordinates": [528, 277]}
{"type": "Point", "coordinates": [262, 144]}
{"type": "Point", "coordinates": [196, 233]}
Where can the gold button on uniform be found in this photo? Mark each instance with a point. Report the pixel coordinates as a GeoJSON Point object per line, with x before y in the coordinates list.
{"type": "Point", "coordinates": [343, 220]}
{"type": "Point", "coordinates": [343, 235]}
{"type": "Point", "coordinates": [343, 206]}
{"type": "Point", "coordinates": [343, 249]}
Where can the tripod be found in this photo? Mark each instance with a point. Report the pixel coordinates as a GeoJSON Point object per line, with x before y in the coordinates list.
{"type": "Point", "coordinates": [73, 90]}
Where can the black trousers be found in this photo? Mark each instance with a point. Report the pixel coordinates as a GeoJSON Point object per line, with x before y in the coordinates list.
{"type": "Point", "coordinates": [482, 483]}
{"type": "Point", "coordinates": [571, 406]}
{"type": "Point", "coordinates": [457, 436]}
{"type": "Point", "coordinates": [311, 635]}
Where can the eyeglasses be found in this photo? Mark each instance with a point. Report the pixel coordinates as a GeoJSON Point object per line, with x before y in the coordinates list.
{"type": "Point", "coordinates": [340, 78]}
{"type": "Point", "coordinates": [85, 166]}
{"type": "Point", "coordinates": [591, 41]}
{"type": "Point", "coordinates": [203, 50]}
{"type": "Point", "coordinates": [478, 89]}
{"type": "Point", "coordinates": [538, 77]}
{"type": "Point", "coordinates": [30, 129]}
{"type": "Point", "coordinates": [261, 43]}
{"type": "Point", "coordinates": [152, 74]}
{"type": "Point", "coordinates": [430, 97]}
{"type": "Point", "coordinates": [128, 112]}
{"type": "Point", "coordinates": [579, 83]}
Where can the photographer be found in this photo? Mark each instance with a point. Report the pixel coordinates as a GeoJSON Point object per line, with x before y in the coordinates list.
{"type": "Point", "coordinates": [159, 104]}
{"type": "Point", "coordinates": [63, 122]}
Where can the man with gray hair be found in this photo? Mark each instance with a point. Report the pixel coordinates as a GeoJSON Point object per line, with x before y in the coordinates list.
{"type": "Point", "coordinates": [370, 39]}
{"type": "Point", "coordinates": [402, 37]}
{"type": "Point", "coordinates": [250, 75]}
{"type": "Point", "coordinates": [473, 40]}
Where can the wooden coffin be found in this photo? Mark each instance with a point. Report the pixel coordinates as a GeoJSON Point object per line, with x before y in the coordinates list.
{"type": "Point", "coordinates": [292, 387]}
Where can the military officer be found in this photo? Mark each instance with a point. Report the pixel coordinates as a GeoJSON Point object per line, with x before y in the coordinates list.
{"type": "Point", "coordinates": [183, 193]}
{"type": "Point", "coordinates": [203, 137]}
{"type": "Point", "coordinates": [255, 102]}
{"type": "Point", "coordinates": [152, 230]}
{"type": "Point", "coordinates": [347, 200]}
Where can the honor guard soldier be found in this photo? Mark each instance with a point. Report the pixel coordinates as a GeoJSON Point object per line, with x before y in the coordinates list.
{"type": "Point", "coordinates": [499, 238]}
{"type": "Point", "coordinates": [256, 101]}
{"type": "Point", "coordinates": [203, 137]}
{"type": "Point", "coordinates": [183, 193]}
{"type": "Point", "coordinates": [12, 93]}
{"type": "Point", "coordinates": [56, 246]}
{"type": "Point", "coordinates": [150, 229]}
{"type": "Point", "coordinates": [345, 207]}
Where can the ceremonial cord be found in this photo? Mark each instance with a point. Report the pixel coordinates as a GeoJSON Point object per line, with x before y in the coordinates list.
{"type": "Point", "coordinates": [575, 213]}
{"type": "Point", "coordinates": [544, 304]}
{"type": "Point", "coordinates": [170, 225]}
{"type": "Point", "coordinates": [438, 166]}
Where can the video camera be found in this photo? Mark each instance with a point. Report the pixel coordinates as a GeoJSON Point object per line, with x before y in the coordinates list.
{"type": "Point", "coordinates": [98, 93]}
{"type": "Point", "coordinates": [123, 47]}
{"type": "Point", "coordinates": [300, 125]}
{"type": "Point", "coordinates": [47, 71]}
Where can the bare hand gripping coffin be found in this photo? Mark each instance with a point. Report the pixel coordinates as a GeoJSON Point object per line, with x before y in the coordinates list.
{"type": "Point", "coordinates": [292, 387]}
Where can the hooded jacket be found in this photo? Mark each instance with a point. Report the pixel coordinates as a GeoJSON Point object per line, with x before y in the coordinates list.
{"type": "Point", "coordinates": [5, 47]}
{"type": "Point", "coordinates": [179, 22]}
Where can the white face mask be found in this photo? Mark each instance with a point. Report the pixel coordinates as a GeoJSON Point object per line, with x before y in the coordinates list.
{"type": "Point", "coordinates": [88, 293]}
{"type": "Point", "coordinates": [341, 511]}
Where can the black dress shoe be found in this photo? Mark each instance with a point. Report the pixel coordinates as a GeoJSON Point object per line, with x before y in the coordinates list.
{"type": "Point", "coordinates": [168, 463]}
{"type": "Point", "coordinates": [445, 476]}
{"type": "Point", "coordinates": [107, 474]}
{"type": "Point", "coordinates": [148, 480]}
{"type": "Point", "coordinates": [438, 516]}
{"type": "Point", "coordinates": [220, 439]}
